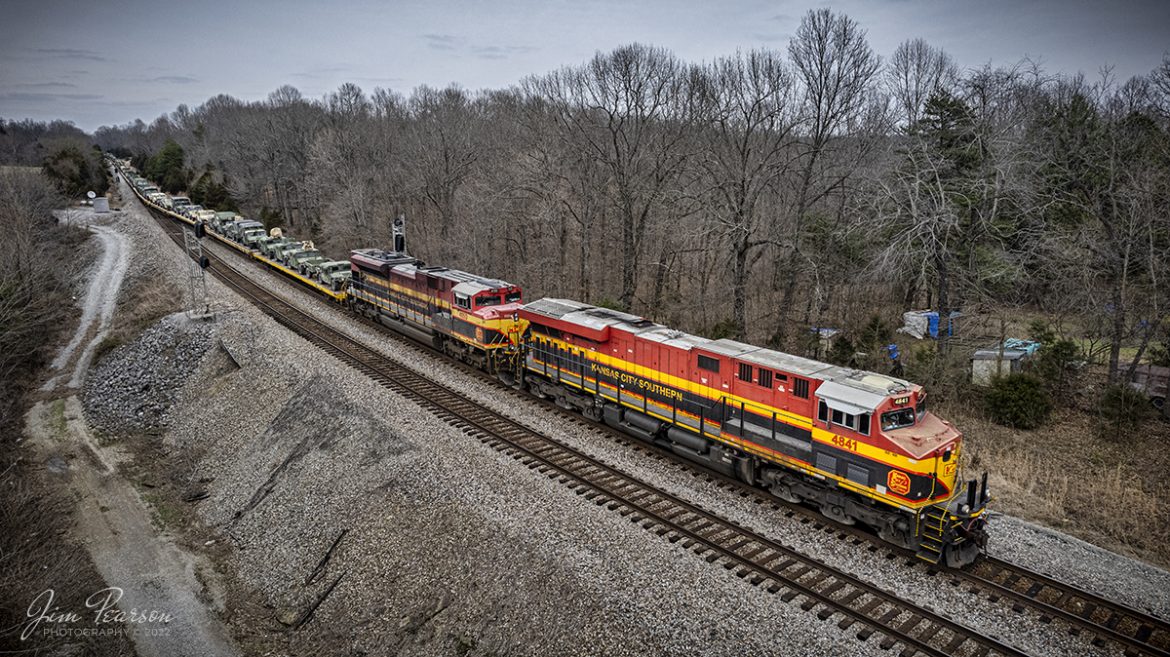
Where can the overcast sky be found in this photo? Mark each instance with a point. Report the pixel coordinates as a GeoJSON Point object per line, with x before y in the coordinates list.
{"type": "Point", "coordinates": [112, 61]}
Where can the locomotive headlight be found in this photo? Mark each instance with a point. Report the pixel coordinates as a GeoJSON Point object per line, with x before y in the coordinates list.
{"type": "Point", "coordinates": [964, 508]}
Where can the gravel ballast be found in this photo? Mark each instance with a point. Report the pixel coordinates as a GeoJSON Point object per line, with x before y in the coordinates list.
{"type": "Point", "coordinates": [452, 546]}
{"type": "Point", "coordinates": [449, 544]}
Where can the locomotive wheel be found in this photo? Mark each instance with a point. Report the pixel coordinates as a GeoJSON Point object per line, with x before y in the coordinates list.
{"type": "Point", "coordinates": [897, 536]}
{"type": "Point", "coordinates": [961, 555]}
{"type": "Point", "coordinates": [784, 492]}
{"type": "Point", "coordinates": [835, 512]}
{"type": "Point", "coordinates": [592, 412]}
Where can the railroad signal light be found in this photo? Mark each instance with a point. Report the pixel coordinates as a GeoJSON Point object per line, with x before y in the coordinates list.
{"type": "Point", "coordinates": [200, 230]}
{"type": "Point", "coordinates": [204, 262]}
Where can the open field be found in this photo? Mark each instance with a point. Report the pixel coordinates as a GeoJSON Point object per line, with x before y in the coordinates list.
{"type": "Point", "coordinates": [1110, 492]}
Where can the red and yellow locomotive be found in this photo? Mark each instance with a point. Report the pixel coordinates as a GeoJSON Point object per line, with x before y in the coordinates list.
{"type": "Point", "coordinates": [860, 445]}
{"type": "Point", "coordinates": [469, 317]}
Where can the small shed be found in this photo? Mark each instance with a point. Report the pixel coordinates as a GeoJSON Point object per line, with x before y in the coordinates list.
{"type": "Point", "coordinates": [986, 364]}
{"type": "Point", "coordinates": [101, 205]}
{"type": "Point", "coordinates": [1154, 382]}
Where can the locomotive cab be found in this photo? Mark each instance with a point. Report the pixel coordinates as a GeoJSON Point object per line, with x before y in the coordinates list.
{"type": "Point", "coordinates": [495, 306]}
{"type": "Point", "coordinates": [948, 522]}
{"type": "Point", "coordinates": [953, 528]}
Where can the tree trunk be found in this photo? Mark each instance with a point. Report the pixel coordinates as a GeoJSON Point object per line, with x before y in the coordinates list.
{"type": "Point", "coordinates": [629, 257]}
{"type": "Point", "coordinates": [739, 274]}
{"type": "Point", "coordinates": [1118, 332]}
{"type": "Point", "coordinates": [1150, 330]}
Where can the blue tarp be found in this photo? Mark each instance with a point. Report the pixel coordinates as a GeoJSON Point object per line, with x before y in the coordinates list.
{"type": "Point", "coordinates": [1029, 347]}
{"type": "Point", "coordinates": [932, 323]}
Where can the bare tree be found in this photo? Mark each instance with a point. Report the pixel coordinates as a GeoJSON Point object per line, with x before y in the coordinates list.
{"type": "Point", "coordinates": [749, 115]}
{"type": "Point", "coordinates": [629, 110]}
{"type": "Point", "coordinates": [837, 69]}
{"type": "Point", "coordinates": [443, 150]}
{"type": "Point", "coordinates": [1106, 175]}
{"type": "Point", "coordinates": [916, 71]}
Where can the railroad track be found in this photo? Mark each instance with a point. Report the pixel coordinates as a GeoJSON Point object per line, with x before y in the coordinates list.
{"type": "Point", "coordinates": [1135, 631]}
{"type": "Point", "coordinates": [1138, 632]}
{"type": "Point", "coordinates": [777, 568]}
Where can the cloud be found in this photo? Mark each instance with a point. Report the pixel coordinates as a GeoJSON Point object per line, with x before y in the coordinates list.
{"type": "Point", "coordinates": [441, 41]}
{"type": "Point", "coordinates": [452, 43]}
{"type": "Point", "coordinates": [70, 53]}
{"type": "Point", "coordinates": [44, 85]}
{"type": "Point", "coordinates": [322, 72]}
{"type": "Point", "coordinates": [376, 80]}
{"type": "Point", "coordinates": [44, 97]}
{"type": "Point", "coordinates": [499, 52]}
{"type": "Point", "coordinates": [770, 38]}
{"type": "Point", "coordinates": [174, 79]}
{"type": "Point", "coordinates": [154, 102]}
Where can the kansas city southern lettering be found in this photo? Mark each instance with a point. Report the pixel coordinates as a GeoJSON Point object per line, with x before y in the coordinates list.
{"type": "Point", "coordinates": [629, 380]}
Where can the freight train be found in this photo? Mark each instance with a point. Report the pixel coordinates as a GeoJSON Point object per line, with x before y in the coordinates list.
{"type": "Point", "coordinates": [860, 446]}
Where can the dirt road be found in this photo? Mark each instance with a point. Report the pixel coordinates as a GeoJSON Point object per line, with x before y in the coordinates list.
{"type": "Point", "coordinates": [98, 304]}
{"type": "Point", "coordinates": [149, 572]}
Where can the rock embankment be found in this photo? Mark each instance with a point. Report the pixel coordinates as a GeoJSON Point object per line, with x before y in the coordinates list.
{"type": "Point", "coordinates": [134, 387]}
{"type": "Point", "coordinates": [348, 521]}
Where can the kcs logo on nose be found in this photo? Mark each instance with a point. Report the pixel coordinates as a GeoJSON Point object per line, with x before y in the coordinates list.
{"type": "Point", "coordinates": [898, 481]}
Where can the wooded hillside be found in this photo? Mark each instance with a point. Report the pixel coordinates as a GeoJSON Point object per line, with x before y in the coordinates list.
{"type": "Point", "coordinates": [758, 195]}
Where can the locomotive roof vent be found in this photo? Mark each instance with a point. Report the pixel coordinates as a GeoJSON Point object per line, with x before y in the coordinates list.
{"type": "Point", "coordinates": [610, 314]}
{"type": "Point", "coordinates": [880, 382]}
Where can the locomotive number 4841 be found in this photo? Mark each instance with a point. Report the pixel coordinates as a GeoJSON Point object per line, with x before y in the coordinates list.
{"type": "Point", "coordinates": [845, 443]}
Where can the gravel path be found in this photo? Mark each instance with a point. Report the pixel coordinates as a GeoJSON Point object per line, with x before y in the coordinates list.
{"type": "Point", "coordinates": [98, 301]}
{"type": "Point", "coordinates": [147, 571]}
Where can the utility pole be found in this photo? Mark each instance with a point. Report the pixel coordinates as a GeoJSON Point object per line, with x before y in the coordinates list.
{"type": "Point", "coordinates": [196, 279]}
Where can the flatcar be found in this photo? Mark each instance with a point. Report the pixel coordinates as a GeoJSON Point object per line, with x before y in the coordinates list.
{"type": "Point", "coordinates": [861, 446]}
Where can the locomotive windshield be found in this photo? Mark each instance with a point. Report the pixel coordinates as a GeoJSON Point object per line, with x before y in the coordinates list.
{"type": "Point", "coordinates": [897, 419]}
{"type": "Point", "coordinates": [483, 301]}
{"type": "Point", "coordinates": [513, 297]}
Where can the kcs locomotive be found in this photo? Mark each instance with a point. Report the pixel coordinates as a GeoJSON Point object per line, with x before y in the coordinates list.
{"type": "Point", "coordinates": [861, 446]}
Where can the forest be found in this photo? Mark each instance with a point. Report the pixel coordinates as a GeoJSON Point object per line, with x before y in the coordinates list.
{"type": "Point", "coordinates": [760, 196]}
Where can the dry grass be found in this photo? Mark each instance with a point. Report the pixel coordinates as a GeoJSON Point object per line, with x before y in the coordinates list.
{"type": "Point", "coordinates": [1109, 491]}
{"type": "Point", "coordinates": [144, 302]}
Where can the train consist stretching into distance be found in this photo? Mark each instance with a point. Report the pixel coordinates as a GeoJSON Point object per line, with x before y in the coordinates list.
{"type": "Point", "coordinates": [861, 446]}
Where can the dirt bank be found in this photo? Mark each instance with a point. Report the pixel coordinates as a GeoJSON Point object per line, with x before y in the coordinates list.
{"type": "Point", "coordinates": [148, 575]}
